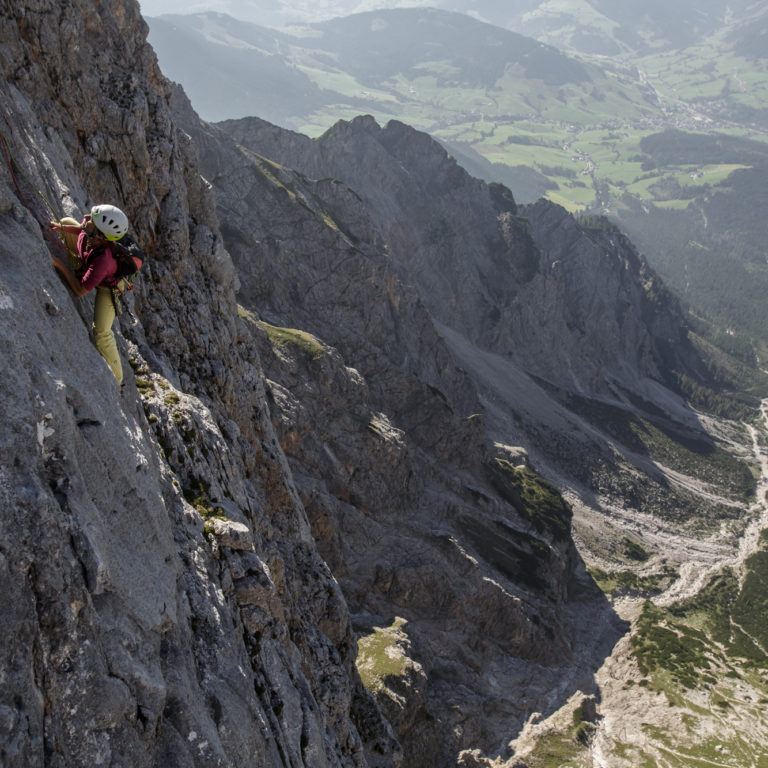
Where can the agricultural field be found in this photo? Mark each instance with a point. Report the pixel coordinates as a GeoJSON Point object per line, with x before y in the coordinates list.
{"type": "Point", "coordinates": [584, 137]}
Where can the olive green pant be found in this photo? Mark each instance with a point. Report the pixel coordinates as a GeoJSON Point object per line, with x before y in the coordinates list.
{"type": "Point", "coordinates": [103, 310]}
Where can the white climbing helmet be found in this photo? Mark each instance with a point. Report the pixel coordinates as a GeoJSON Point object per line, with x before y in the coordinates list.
{"type": "Point", "coordinates": [110, 221]}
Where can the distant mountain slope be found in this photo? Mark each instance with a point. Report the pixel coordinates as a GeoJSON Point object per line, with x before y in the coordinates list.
{"type": "Point", "coordinates": [421, 65]}
{"type": "Point", "coordinates": [638, 26]}
{"type": "Point", "coordinates": [751, 39]}
{"type": "Point", "coordinates": [435, 69]}
{"type": "Point", "coordinates": [590, 26]}
{"type": "Point", "coordinates": [376, 46]}
{"type": "Point", "coordinates": [231, 67]}
{"type": "Point", "coordinates": [713, 252]}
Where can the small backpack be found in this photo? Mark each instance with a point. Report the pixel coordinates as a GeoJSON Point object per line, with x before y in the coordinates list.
{"type": "Point", "coordinates": [130, 258]}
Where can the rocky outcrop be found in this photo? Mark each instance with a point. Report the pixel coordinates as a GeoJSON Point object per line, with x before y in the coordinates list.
{"type": "Point", "coordinates": [573, 305]}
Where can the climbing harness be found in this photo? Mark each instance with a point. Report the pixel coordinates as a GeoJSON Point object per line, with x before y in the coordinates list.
{"type": "Point", "coordinates": [118, 299]}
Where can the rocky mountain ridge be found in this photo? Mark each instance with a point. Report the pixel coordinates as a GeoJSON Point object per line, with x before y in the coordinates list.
{"type": "Point", "coordinates": [340, 369]}
{"type": "Point", "coordinates": [531, 258]}
{"type": "Point", "coordinates": [443, 233]}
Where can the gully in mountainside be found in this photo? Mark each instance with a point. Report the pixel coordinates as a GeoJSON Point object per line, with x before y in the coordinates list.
{"type": "Point", "coordinates": [93, 263]}
{"type": "Point", "coordinates": [694, 574]}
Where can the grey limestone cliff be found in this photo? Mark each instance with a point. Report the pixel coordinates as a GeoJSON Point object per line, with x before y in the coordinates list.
{"type": "Point", "coordinates": [165, 603]}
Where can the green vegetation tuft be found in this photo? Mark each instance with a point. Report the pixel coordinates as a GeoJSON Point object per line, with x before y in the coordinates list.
{"type": "Point", "coordinates": [145, 386]}
{"type": "Point", "coordinates": [629, 582]}
{"type": "Point", "coordinates": [534, 497]}
{"type": "Point", "coordinates": [567, 748]}
{"type": "Point", "coordinates": [301, 340]}
{"type": "Point", "coordinates": [380, 655]}
{"type": "Point", "coordinates": [663, 646]}
{"type": "Point", "coordinates": [556, 749]}
{"type": "Point", "coordinates": [633, 550]}
{"type": "Point", "coordinates": [197, 496]}
{"type": "Point", "coordinates": [246, 314]}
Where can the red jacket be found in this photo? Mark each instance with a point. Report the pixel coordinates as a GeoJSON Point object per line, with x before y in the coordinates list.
{"type": "Point", "coordinates": [100, 265]}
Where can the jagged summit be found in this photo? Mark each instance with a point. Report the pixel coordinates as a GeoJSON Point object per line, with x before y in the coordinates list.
{"type": "Point", "coordinates": [567, 302]}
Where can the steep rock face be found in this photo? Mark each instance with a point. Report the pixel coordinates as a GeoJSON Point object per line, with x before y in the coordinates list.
{"type": "Point", "coordinates": [566, 334]}
{"type": "Point", "coordinates": [595, 290]}
{"type": "Point", "coordinates": [167, 604]}
{"type": "Point", "coordinates": [387, 445]}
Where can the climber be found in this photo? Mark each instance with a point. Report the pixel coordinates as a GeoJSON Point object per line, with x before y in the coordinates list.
{"type": "Point", "coordinates": [92, 264]}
